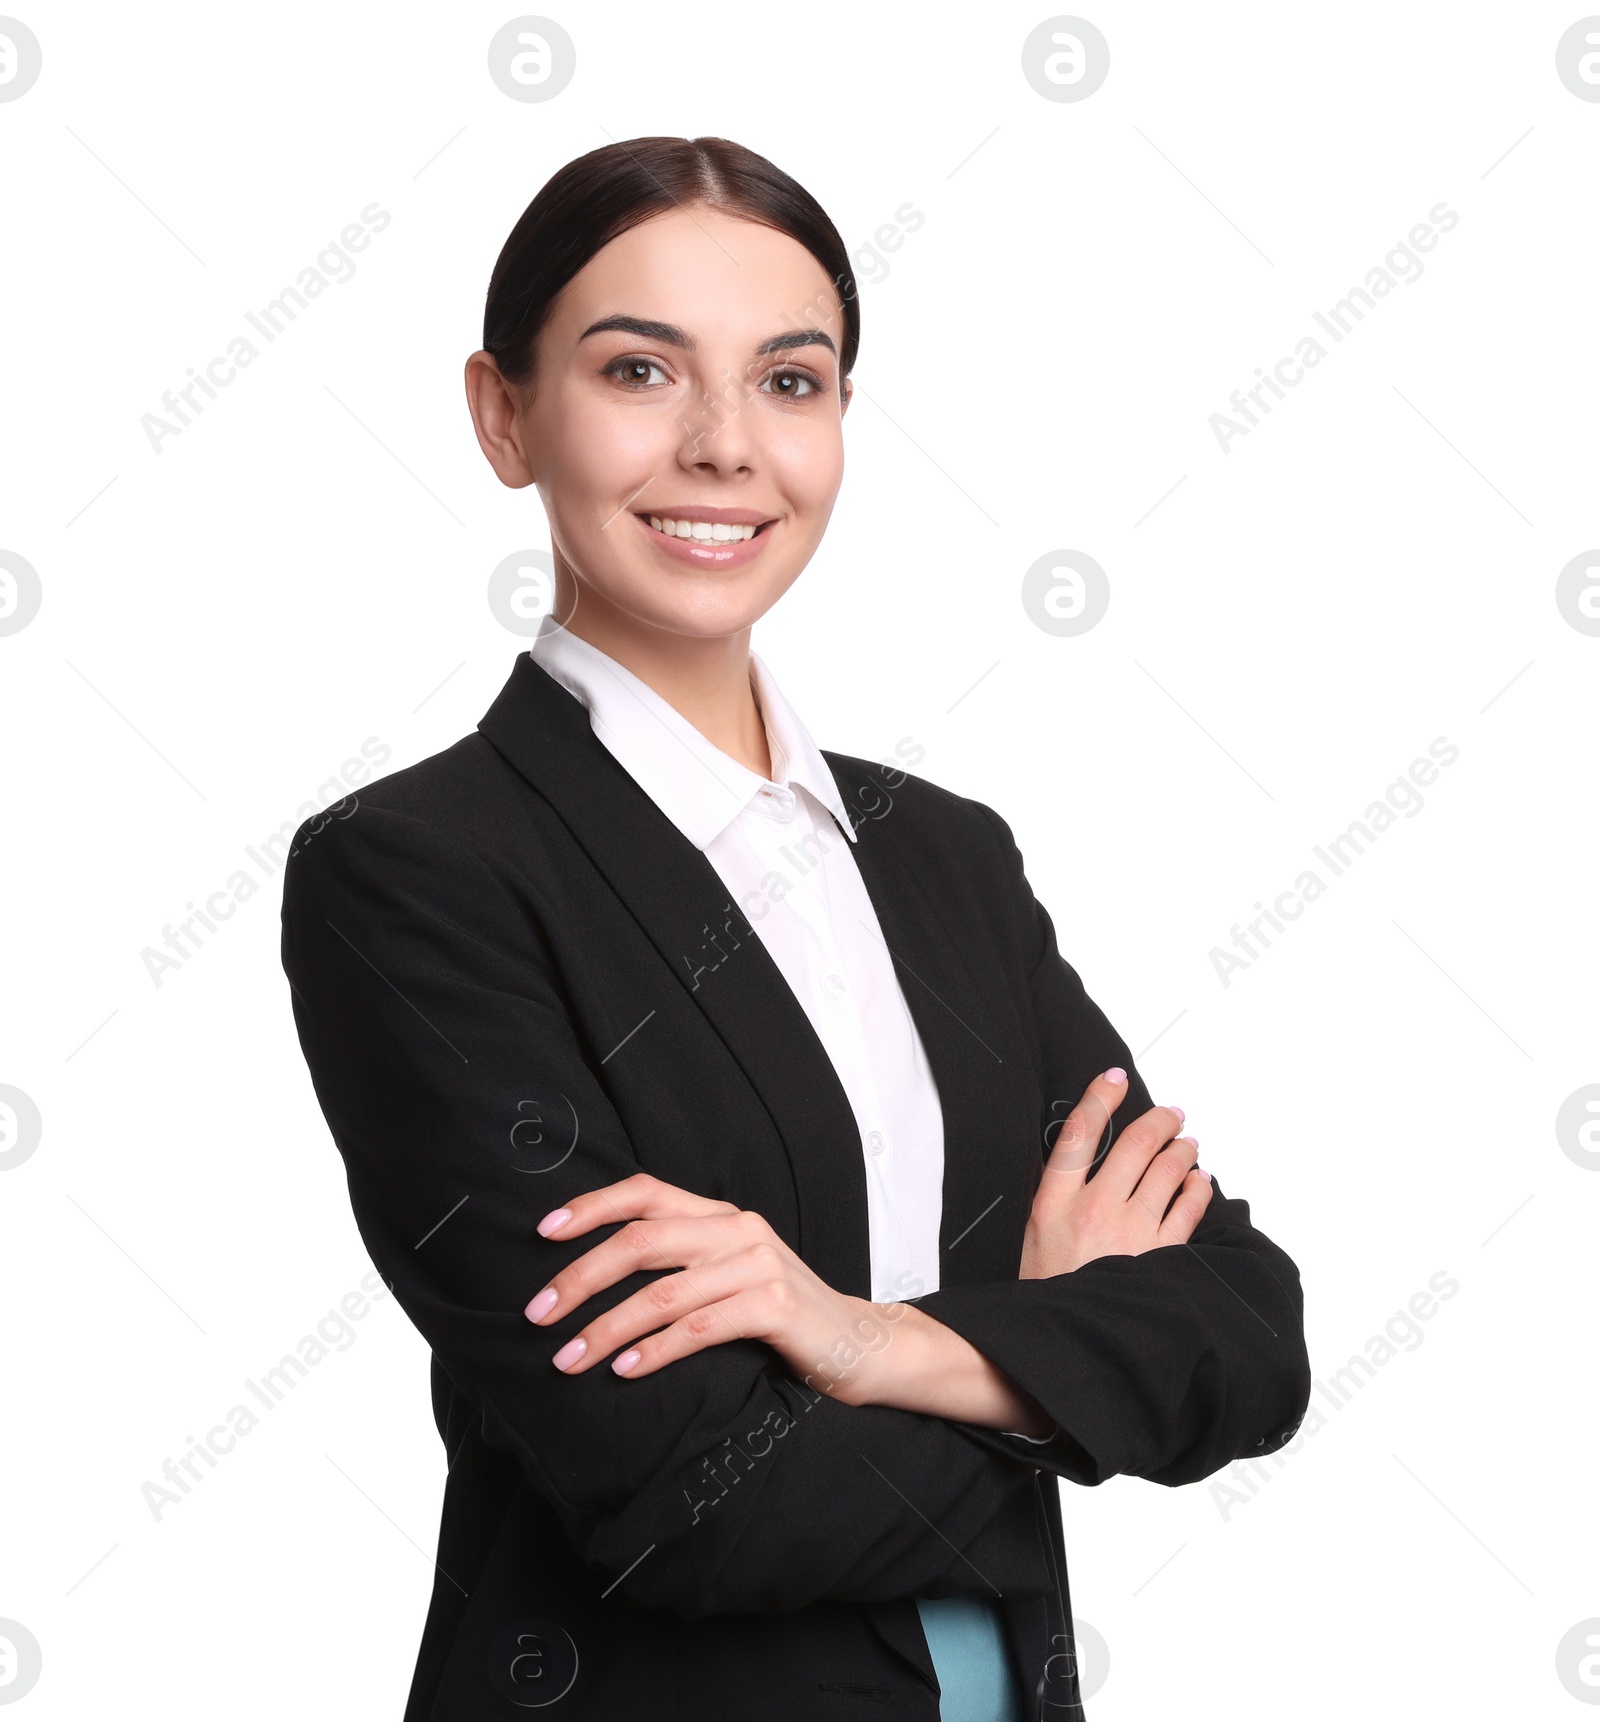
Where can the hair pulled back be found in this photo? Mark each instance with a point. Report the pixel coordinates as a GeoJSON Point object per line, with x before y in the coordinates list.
{"type": "Point", "coordinates": [598, 196]}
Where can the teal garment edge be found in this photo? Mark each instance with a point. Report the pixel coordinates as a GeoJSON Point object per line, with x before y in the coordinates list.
{"type": "Point", "coordinates": [977, 1677]}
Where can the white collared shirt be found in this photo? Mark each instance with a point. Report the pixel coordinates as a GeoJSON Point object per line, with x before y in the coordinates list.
{"type": "Point", "coordinates": [788, 866]}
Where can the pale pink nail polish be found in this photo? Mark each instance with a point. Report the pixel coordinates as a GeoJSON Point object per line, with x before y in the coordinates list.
{"type": "Point", "coordinates": [570, 1353]}
{"type": "Point", "coordinates": [625, 1362]}
{"type": "Point", "coordinates": [554, 1221]}
{"type": "Point", "coordinates": [1115, 1074]}
{"type": "Point", "coordinates": [543, 1303]}
{"type": "Point", "coordinates": [1203, 1173]}
{"type": "Point", "coordinates": [1180, 1112]}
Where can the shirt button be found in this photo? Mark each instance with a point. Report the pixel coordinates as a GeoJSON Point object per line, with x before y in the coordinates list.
{"type": "Point", "coordinates": [834, 986]}
{"type": "Point", "coordinates": [875, 1142]}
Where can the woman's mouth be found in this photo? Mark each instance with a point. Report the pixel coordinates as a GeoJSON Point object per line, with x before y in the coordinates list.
{"type": "Point", "coordinates": [706, 543]}
{"type": "Point", "coordinates": [705, 531]}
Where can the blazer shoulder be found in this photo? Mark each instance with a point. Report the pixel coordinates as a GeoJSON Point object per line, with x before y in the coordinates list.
{"type": "Point", "coordinates": [447, 827]}
{"type": "Point", "coordinates": [447, 787]}
{"type": "Point", "coordinates": [466, 795]}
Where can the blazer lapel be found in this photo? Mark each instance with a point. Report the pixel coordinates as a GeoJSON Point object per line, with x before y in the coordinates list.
{"type": "Point", "coordinates": [992, 1158]}
{"type": "Point", "coordinates": [677, 898]}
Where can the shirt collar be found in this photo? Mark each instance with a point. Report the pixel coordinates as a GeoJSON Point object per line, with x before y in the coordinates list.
{"type": "Point", "coordinates": [701, 789]}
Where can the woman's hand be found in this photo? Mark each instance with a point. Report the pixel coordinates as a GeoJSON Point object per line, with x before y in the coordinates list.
{"type": "Point", "coordinates": [1122, 1210]}
{"type": "Point", "coordinates": [738, 1280]}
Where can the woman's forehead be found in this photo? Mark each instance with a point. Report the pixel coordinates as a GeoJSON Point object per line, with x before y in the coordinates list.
{"type": "Point", "coordinates": [707, 273]}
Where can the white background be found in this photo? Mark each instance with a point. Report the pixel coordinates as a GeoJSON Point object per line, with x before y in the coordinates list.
{"type": "Point", "coordinates": [1374, 566]}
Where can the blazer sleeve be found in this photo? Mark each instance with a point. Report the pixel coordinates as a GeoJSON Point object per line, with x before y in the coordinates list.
{"type": "Point", "coordinates": [427, 1009]}
{"type": "Point", "coordinates": [1166, 1365]}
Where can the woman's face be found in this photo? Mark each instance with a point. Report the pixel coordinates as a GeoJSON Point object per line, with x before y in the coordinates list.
{"type": "Point", "coordinates": [688, 374]}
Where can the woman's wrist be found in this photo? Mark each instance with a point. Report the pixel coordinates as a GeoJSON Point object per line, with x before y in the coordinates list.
{"type": "Point", "coordinates": [922, 1365]}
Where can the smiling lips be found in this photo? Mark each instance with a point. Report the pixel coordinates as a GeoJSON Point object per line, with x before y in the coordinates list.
{"type": "Point", "coordinates": [708, 537]}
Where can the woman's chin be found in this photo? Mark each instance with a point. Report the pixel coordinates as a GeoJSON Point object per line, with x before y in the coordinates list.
{"type": "Point", "coordinates": [690, 602]}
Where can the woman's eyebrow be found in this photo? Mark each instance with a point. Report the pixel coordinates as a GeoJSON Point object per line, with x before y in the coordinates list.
{"type": "Point", "coordinates": [797, 338]}
{"type": "Point", "coordinates": [673, 336]}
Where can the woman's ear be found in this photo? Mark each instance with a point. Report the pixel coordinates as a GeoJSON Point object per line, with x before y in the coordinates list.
{"type": "Point", "coordinates": [495, 408]}
{"type": "Point", "coordinates": [847, 389]}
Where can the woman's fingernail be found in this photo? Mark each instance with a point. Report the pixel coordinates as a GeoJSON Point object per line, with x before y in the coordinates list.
{"type": "Point", "coordinates": [542, 1304]}
{"type": "Point", "coordinates": [625, 1362]}
{"type": "Point", "coordinates": [554, 1221]}
{"type": "Point", "coordinates": [570, 1353]}
{"type": "Point", "coordinates": [1114, 1074]}
{"type": "Point", "coordinates": [1180, 1112]}
{"type": "Point", "coordinates": [1203, 1173]}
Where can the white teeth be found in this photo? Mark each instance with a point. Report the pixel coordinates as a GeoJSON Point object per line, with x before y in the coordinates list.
{"type": "Point", "coordinates": [702, 530]}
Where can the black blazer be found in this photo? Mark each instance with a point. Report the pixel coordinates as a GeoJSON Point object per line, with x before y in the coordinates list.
{"type": "Point", "coordinates": [515, 980]}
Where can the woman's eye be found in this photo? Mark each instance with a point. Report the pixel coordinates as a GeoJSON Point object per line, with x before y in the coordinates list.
{"type": "Point", "coordinates": [793, 385]}
{"type": "Point", "coordinates": [635, 373]}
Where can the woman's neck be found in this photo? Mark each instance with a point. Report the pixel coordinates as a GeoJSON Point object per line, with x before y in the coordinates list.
{"type": "Point", "coordinates": [707, 681]}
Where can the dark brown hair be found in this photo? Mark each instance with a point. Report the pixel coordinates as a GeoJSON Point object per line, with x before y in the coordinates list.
{"type": "Point", "coordinates": [593, 199]}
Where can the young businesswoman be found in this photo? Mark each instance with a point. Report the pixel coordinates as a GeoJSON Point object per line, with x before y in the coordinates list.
{"type": "Point", "coordinates": [781, 1213]}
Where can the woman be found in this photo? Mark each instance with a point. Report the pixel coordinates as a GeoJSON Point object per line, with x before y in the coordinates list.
{"type": "Point", "coordinates": [776, 1204]}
